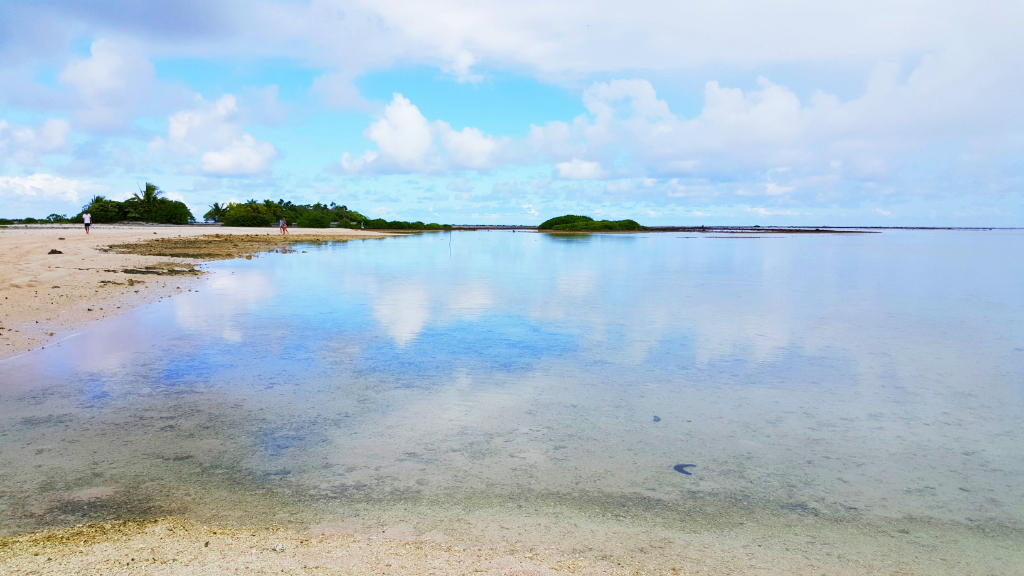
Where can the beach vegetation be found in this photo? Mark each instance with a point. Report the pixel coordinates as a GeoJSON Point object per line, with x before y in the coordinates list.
{"type": "Point", "coordinates": [573, 223]}
{"type": "Point", "coordinates": [560, 220]}
{"type": "Point", "coordinates": [248, 220]}
{"type": "Point", "coordinates": [269, 212]}
{"type": "Point", "coordinates": [147, 205]}
{"type": "Point", "coordinates": [313, 219]}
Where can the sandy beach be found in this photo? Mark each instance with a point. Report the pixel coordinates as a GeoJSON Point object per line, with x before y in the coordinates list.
{"type": "Point", "coordinates": [46, 294]}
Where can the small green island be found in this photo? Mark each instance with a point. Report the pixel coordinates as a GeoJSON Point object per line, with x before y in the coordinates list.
{"type": "Point", "coordinates": [572, 223]}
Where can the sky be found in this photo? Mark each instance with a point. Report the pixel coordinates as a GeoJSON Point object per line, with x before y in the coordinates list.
{"type": "Point", "coordinates": [791, 112]}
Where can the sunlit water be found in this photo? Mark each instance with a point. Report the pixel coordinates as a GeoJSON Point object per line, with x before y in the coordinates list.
{"type": "Point", "coordinates": [518, 387]}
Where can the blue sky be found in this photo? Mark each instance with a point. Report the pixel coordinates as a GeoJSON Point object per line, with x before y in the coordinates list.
{"type": "Point", "coordinates": [899, 112]}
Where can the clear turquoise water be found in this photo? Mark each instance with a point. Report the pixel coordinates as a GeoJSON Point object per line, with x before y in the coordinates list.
{"type": "Point", "coordinates": [863, 382]}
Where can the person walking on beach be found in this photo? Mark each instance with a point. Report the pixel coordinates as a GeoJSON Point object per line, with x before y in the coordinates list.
{"type": "Point", "coordinates": [87, 218]}
{"type": "Point", "coordinates": [284, 225]}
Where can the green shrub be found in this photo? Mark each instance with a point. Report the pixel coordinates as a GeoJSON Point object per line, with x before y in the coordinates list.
{"type": "Point", "coordinates": [171, 212]}
{"type": "Point", "coordinates": [570, 223]}
{"type": "Point", "coordinates": [315, 220]}
{"type": "Point", "coordinates": [562, 220]}
{"type": "Point", "coordinates": [248, 220]}
{"type": "Point", "coordinates": [29, 220]}
{"type": "Point", "coordinates": [105, 211]}
{"type": "Point", "coordinates": [600, 225]}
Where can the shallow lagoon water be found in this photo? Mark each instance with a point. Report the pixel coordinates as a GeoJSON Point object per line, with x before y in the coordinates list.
{"type": "Point", "coordinates": [853, 397]}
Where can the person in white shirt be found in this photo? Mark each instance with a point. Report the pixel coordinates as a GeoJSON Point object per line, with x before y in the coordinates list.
{"type": "Point", "coordinates": [87, 218]}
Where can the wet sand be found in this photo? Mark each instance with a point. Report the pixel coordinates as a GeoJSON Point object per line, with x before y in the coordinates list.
{"type": "Point", "coordinates": [46, 295]}
{"type": "Point", "coordinates": [526, 546]}
{"type": "Point", "coordinates": [173, 546]}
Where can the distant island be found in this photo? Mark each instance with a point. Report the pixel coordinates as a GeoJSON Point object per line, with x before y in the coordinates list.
{"type": "Point", "coordinates": [572, 223]}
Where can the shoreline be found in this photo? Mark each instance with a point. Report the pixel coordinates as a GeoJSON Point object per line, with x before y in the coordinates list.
{"type": "Point", "coordinates": [179, 546]}
{"type": "Point", "coordinates": [113, 269]}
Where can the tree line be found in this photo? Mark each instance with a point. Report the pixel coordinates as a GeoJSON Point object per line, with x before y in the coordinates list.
{"type": "Point", "coordinates": [150, 205]}
{"type": "Point", "coordinates": [270, 212]}
{"type": "Point", "coordinates": [147, 205]}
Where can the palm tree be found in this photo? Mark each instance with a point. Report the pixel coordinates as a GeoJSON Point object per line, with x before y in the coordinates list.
{"type": "Point", "coordinates": [216, 213]}
{"type": "Point", "coordinates": [149, 196]}
{"type": "Point", "coordinates": [97, 199]}
{"type": "Point", "coordinates": [144, 203]}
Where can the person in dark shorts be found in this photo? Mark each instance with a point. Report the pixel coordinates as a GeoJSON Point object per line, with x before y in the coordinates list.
{"type": "Point", "coordinates": [87, 218]}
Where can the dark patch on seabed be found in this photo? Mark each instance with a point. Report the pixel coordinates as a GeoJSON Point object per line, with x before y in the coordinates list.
{"type": "Point", "coordinates": [120, 506]}
{"type": "Point", "coordinates": [682, 468]}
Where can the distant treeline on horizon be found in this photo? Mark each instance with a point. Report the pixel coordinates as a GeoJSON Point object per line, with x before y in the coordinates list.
{"type": "Point", "coordinates": [149, 205]}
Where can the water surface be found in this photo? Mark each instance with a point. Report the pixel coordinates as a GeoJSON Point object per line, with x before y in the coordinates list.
{"type": "Point", "coordinates": [833, 392]}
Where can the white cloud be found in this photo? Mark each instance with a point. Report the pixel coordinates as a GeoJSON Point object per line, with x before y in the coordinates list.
{"type": "Point", "coordinates": [881, 212]}
{"type": "Point", "coordinates": [403, 135]}
{"type": "Point", "coordinates": [675, 188]}
{"type": "Point", "coordinates": [208, 125]}
{"type": "Point", "coordinates": [773, 189]}
{"type": "Point", "coordinates": [766, 212]}
{"type": "Point", "coordinates": [460, 66]}
{"type": "Point", "coordinates": [213, 132]}
{"type": "Point", "coordinates": [940, 97]}
{"type": "Point", "coordinates": [46, 186]}
{"type": "Point", "coordinates": [337, 91]}
{"type": "Point", "coordinates": [243, 156]}
{"type": "Point", "coordinates": [740, 135]}
{"type": "Point", "coordinates": [756, 128]}
{"type": "Point", "coordinates": [26, 143]}
{"type": "Point", "coordinates": [468, 148]}
{"type": "Point", "coordinates": [407, 142]}
{"type": "Point", "coordinates": [574, 38]}
{"type": "Point", "coordinates": [110, 84]}
{"type": "Point", "coordinates": [404, 139]}
{"type": "Point", "coordinates": [579, 170]}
